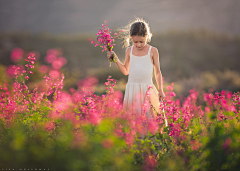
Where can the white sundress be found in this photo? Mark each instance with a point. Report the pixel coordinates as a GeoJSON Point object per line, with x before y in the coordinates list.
{"type": "Point", "coordinates": [139, 80]}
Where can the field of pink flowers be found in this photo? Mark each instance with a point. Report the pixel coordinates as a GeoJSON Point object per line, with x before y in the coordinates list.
{"type": "Point", "coordinates": [50, 128]}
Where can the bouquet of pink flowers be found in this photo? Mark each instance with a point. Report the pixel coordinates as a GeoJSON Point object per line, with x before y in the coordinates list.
{"type": "Point", "coordinates": [105, 40]}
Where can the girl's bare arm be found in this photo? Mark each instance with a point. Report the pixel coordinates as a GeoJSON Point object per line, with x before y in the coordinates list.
{"type": "Point", "coordinates": [158, 74]}
{"type": "Point", "coordinates": [124, 68]}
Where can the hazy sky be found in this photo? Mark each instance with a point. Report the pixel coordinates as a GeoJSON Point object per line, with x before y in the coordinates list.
{"type": "Point", "coordinates": [80, 16]}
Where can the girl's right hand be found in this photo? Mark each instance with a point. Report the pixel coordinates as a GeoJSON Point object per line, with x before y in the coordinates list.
{"type": "Point", "coordinates": [110, 53]}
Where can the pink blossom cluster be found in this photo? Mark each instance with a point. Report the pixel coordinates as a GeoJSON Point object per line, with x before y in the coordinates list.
{"type": "Point", "coordinates": [91, 108]}
{"type": "Point", "coordinates": [17, 54]}
{"type": "Point", "coordinates": [57, 61]}
{"type": "Point", "coordinates": [11, 69]}
{"type": "Point", "coordinates": [180, 116]}
{"type": "Point", "coordinates": [104, 39]}
{"type": "Point", "coordinates": [26, 101]}
{"type": "Point", "coordinates": [31, 59]}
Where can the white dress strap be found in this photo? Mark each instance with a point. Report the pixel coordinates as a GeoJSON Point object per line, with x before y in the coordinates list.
{"type": "Point", "coordinates": [149, 51]}
{"type": "Point", "coordinates": [131, 49]}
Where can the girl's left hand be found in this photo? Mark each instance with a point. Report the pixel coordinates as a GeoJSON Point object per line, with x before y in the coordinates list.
{"type": "Point", "coordinates": [161, 96]}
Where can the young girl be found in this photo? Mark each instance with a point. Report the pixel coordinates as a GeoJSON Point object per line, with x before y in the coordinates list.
{"type": "Point", "coordinates": [140, 59]}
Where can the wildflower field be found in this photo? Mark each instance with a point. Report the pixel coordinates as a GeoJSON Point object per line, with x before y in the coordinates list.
{"type": "Point", "coordinates": [44, 126]}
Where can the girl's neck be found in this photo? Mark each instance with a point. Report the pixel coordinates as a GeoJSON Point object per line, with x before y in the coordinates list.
{"type": "Point", "coordinates": [145, 47]}
{"type": "Point", "coordinates": [140, 52]}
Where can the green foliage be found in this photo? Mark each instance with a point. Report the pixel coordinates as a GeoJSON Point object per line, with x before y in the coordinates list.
{"type": "Point", "coordinates": [4, 79]}
{"type": "Point", "coordinates": [207, 147]}
{"type": "Point", "coordinates": [22, 145]}
{"type": "Point", "coordinates": [29, 142]}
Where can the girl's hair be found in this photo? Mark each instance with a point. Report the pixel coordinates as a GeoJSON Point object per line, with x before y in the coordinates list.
{"type": "Point", "coordinates": [138, 27]}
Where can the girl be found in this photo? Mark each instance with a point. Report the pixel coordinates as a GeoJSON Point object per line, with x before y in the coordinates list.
{"type": "Point", "coordinates": [140, 59]}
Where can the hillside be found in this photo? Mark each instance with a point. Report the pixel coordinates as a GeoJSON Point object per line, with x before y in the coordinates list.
{"type": "Point", "coordinates": [182, 54]}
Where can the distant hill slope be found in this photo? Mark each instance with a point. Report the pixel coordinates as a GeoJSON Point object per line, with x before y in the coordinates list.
{"type": "Point", "coordinates": [182, 54]}
{"type": "Point", "coordinates": [81, 16]}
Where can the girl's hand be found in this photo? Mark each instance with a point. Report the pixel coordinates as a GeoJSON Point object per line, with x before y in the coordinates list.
{"type": "Point", "coordinates": [110, 53]}
{"type": "Point", "coordinates": [161, 96]}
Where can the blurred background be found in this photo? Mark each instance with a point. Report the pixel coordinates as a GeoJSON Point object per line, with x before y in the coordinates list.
{"type": "Point", "coordinates": [198, 41]}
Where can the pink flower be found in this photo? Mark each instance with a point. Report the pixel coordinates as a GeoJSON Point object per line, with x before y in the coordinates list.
{"type": "Point", "coordinates": [16, 55]}
{"type": "Point", "coordinates": [172, 94]}
{"type": "Point", "coordinates": [170, 88]}
{"type": "Point", "coordinates": [227, 143]}
{"type": "Point", "coordinates": [72, 90]}
{"type": "Point", "coordinates": [223, 92]}
{"type": "Point", "coordinates": [10, 71]}
{"type": "Point", "coordinates": [57, 64]}
{"type": "Point", "coordinates": [43, 69]}
{"type": "Point", "coordinates": [5, 89]}
{"type": "Point", "coordinates": [54, 52]}
{"type": "Point", "coordinates": [229, 95]}
{"type": "Point", "coordinates": [54, 74]}
{"type": "Point", "coordinates": [107, 143]}
{"type": "Point", "coordinates": [195, 145]}
{"type": "Point", "coordinates": [63, 60]}
{"type": "Point", "coordinates": [94, 118]}
{"type": "Point", "coordinates": [49, 126]}
{"type": "Point", "coordinates": [129, 138]}
{"type": "Point", "coordinates": [88, 82]}
{"type": "Point", "coordinates": [63, 101]}
{"type": "Point", "coordinates": [150, 162]}
{"type": "Point", "coordinates": [50, 58]}
{"type": "Point", "coordinates": [207, 109]}
{"type": "Point", "coordinates": [153, 126]}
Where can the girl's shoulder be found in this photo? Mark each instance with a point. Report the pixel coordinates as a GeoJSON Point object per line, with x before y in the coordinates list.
{"type": "Point", "coordinates": [154, 50]}
{"type": "Point", "coordinates": [128, 50]}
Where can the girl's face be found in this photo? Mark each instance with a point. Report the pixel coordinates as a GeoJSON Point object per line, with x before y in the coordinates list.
{"type": "Point", "coordinates": [139, 41]}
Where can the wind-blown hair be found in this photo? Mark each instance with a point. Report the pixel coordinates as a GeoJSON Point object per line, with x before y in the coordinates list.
{"type": "Point", "coordinates": [138, 27]}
